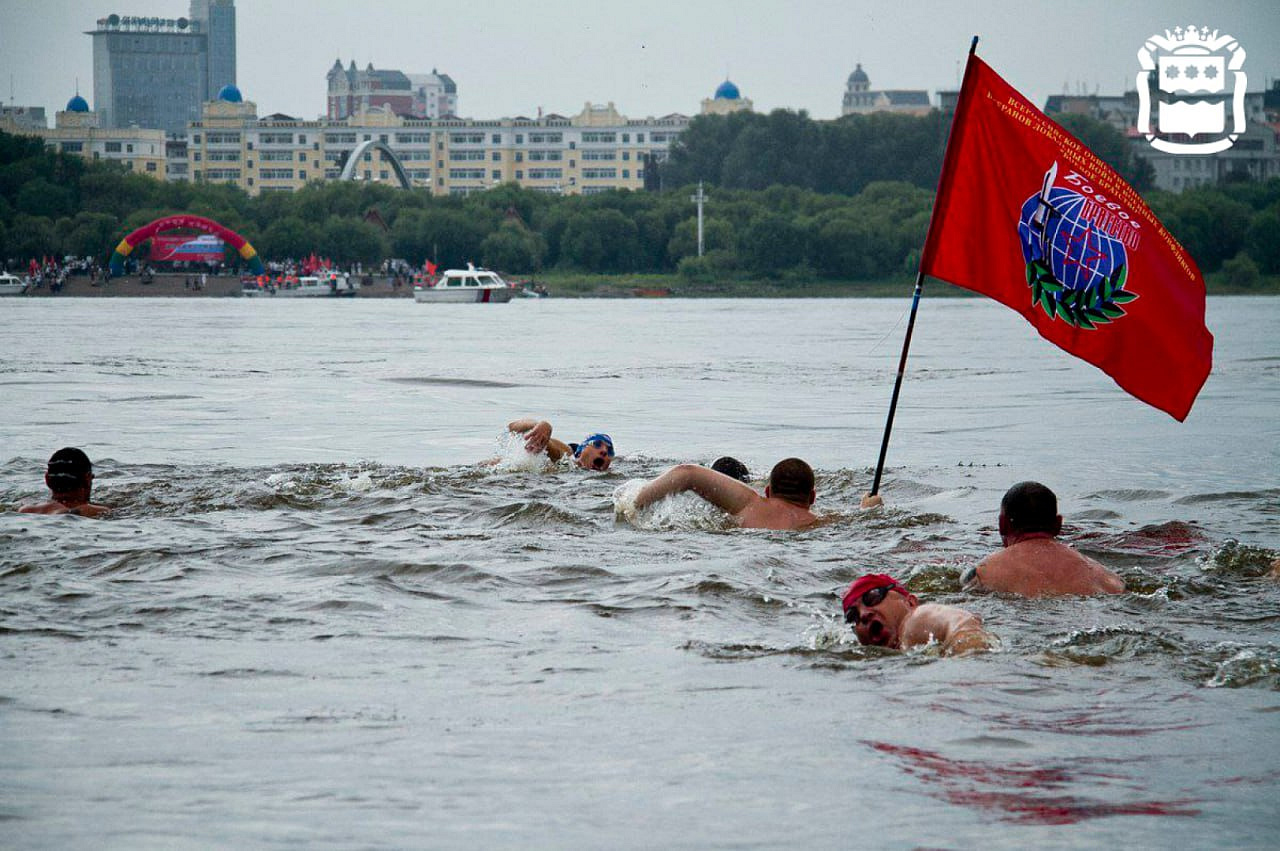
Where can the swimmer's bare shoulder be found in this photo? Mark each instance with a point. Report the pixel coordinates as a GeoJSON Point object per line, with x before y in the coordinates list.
{"type": "Point", "coordinates": [956, 630]}
{"type": "Point", "coordinates": [86, 510]}
{"type": "Point", "coordinates": [1042, 568]}
{"type": "Point", "coordinates": [820, 521]}
{"type": "Point", "coordinates": [775, 513]}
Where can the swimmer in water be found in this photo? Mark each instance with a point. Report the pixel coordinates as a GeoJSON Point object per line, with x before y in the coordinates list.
{"type": "Point", "coordinates": [595, 452]}
{"type": "Point", "coordinates": [70, 479]}
{"type": "Point", "coordinates": [884, 613]}
{"type": "Point", "coordinates": [732, 468]}
{"type": "Point", "coordinates": [786, 503]}
{"type": "Point", "coordinates": [1033, 562]}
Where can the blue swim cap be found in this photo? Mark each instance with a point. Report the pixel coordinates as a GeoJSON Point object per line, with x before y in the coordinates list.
{"type": "Point", "coordinates": [598, 439]}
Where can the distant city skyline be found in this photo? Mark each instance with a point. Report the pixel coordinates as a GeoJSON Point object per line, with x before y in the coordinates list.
{"type": "Point", "coordinates": [511, 58]}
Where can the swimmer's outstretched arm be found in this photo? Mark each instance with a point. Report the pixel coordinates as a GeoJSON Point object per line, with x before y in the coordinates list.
{"type": "Point", "coordinates": [718, 489]}
{"type": "Point", "coordinates": [538, 437]}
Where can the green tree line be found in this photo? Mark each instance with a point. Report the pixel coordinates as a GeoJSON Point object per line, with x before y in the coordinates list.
{"type": "Point", "coordinates": [790, 199]}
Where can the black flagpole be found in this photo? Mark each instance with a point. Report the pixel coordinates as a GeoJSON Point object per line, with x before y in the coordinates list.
{"type": "Point", "coordinates": [911, 324]}
{"type": "Point", "coordinates": [897, 385]}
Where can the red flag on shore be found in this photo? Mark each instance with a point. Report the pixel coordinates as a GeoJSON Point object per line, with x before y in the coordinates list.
{"type": "Point", "coordinates": [1029, 216]}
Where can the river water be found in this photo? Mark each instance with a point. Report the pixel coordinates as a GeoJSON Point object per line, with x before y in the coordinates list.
{"type": "Point", "coordinates": [317, 620]}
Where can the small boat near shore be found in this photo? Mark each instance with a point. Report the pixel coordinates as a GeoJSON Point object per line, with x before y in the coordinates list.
{"type": "Point", "coordinates": [323, 285]}
{"type": "Point", "coordinates": [528, 289]}
{"type": "Point", "coordinates": [465, 286]}
{"type": "Point", "coordinates": [12, 284]}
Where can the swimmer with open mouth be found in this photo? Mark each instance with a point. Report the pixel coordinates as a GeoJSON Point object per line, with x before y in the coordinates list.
{"type": "Point", "coordinates": [883, 613]}
{"type": "Point", "coordinates": [595, 452]}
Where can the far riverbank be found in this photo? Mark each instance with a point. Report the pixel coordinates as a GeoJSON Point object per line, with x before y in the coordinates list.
{"type": "Point", "coordinates": [581, 285]}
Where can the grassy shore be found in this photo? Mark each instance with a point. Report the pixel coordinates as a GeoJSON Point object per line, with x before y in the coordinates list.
{"type": "Point", "coordinates": [577, 285]}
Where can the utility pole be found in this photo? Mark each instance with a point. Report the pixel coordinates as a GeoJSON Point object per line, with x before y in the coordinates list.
{"type": "Point", "coordinates": [698, 199]}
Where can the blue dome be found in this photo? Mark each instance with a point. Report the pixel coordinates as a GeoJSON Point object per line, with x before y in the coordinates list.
{"type": "Point", "coordinates": [230, 94]}
{"type": "Point", "coordinates": [77, 104]}
{"type": "Point", "coordinates": [727, 91]}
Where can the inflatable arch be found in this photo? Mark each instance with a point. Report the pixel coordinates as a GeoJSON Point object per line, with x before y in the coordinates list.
{"type": "Point", "coordinates": [349, 170]}
{"type": "Point", "coordinates": [142, 234]}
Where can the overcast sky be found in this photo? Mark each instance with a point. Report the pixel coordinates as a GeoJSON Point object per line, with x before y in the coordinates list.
{"type": "Point", "coordinates": [650, 57]}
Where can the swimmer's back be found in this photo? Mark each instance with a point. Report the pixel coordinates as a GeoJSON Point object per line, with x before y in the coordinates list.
{"type": "Point", "coordinates": [1044, 568]}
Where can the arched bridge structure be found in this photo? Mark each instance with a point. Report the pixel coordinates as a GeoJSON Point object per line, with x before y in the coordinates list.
{"type": "Point", "coordinates": [349, 170]}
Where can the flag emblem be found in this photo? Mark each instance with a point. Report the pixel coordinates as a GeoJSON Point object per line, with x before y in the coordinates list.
{"type": "Point", "coordinates": [1074, 248]}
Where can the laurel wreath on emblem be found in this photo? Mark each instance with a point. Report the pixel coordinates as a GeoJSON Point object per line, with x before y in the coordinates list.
{"type": "Point", "coordinates": [1097, 304]}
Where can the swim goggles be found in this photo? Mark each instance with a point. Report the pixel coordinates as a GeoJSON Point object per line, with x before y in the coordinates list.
{"type": "Point", "coordinates": [870, 598]}
{"type": "Point", "coordinates": [598, 440]}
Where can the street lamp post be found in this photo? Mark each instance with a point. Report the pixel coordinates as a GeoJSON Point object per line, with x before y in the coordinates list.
{"type": "Point", "coordinates": [698, 199]}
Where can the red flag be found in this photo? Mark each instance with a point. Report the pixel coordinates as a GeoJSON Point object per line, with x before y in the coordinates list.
{"type": "Point", "coordinates": [1029, 216]}
{"type": "Point", "coordinates": [429, 266]}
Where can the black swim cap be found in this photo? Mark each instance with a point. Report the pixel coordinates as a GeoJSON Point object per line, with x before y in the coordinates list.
{"type": "Point", "coordinates": [733, 468]}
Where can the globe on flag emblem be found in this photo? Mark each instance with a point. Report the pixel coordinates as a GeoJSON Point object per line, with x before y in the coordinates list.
{"type": "Point", "coordinates": [1076, 267]}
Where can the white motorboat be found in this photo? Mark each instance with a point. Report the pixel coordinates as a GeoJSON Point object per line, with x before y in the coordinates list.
{"type": "Point", "coordinates": [465, 286]}
{"type": "Point", "coordinates": [320, 285]}
{"type": "Point", "coordinates": [12, 284]}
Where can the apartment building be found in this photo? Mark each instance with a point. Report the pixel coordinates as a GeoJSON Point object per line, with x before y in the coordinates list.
{"type": "Point", "coordinates": [77, 130]}
{"type": "Point", "coordinates": [597, 150]}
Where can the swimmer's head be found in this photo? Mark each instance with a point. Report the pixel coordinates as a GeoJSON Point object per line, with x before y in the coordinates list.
{"type": "Point", "coordinates": [1029, 507]}
{"type": "Point", "coordinates": [792, 479]}
{"type": "Point", "coordinates": [69, 471]}
{"type": "Point", "coordinates": [595, 452]}
{"type": "Point", "coordinates": [876, 613]}
{"type": "Point", "coordinates": [733, 468]}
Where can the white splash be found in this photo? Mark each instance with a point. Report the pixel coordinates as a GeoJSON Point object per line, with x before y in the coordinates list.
{"type": "Point", "coordinates": [282, 482]}
{"type": "Point", "coordinates": [679, 511]}
{"type": "Point", "coordinates": [514, 458]}
{"type": "Point", "coordinates": [357, 484]}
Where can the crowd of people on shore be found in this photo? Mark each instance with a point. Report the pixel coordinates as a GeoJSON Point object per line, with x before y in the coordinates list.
{"type": "Point", "coordinates": [53, 272]}
{"type": "Point", "coordinates": [881, 611]}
